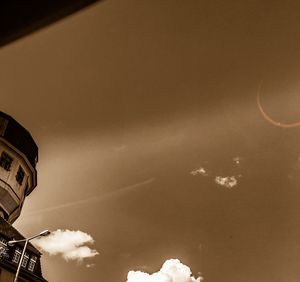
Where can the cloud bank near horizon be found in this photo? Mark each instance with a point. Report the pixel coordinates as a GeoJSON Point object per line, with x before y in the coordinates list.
{"type": "Point", "coordinates": [71, 245]}
{"type": "Point", "coordinates": [171, 271]}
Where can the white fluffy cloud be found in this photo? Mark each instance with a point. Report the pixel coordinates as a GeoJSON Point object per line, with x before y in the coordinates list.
{"type": "Point", "coordinates": [70, 244]}
{"type": "Point", "coordinates": [171, 271]}
{"type": "Point", "coordinates": [227, 181]}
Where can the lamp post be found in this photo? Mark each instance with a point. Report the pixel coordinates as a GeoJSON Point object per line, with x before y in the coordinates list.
{"type": "Point", "coordinates": [26, 240]}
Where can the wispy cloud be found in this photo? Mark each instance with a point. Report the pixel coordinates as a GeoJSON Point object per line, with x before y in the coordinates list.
{"type": "Point", "coordinates": [171, 271]}
{"type": "Point", "coordinates": [72, 245]}
{"type": "Point", "coordinates": [120, 148]}
{"type": "Point", "coordinates": [200, 171]}
{"type": "Point", "coordinates": [106, 196]}
{"type": "Point", "coordinates": [227, 181]}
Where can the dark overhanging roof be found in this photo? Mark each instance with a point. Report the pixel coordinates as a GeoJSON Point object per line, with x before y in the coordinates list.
{"type": "Point", "coordinates": [12, 233]}
{"type": "Point", "coordinates": [19, 18]}
{"type": "Point", "coordinates": [19, 137]}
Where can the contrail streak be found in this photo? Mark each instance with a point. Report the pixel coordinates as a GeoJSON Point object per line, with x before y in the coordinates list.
{"type": "Point", "coordinates": [92, 199]}
{"type": "Point", "coordinates": [269, 119]}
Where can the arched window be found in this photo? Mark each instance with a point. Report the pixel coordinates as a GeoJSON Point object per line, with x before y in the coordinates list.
{"type": "Point", "coordinates": [32, 263]}
{"type": "Point", "coordinates": [25, 260]}
{"type": "Point", "coordinates": [17, 255]}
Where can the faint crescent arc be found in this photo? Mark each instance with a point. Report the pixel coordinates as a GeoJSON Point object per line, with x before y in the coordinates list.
{"type": "Point", "coordinates": [270, 120]}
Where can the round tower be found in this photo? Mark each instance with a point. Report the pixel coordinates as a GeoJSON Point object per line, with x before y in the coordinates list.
{"type": "Point", "coordinates": [18, 158]}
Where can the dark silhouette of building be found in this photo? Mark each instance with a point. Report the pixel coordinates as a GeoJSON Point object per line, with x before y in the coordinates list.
{"type": "Point", "coordinates": [19, 18]}
{"type": "Point", "coordinates": [18, 178]}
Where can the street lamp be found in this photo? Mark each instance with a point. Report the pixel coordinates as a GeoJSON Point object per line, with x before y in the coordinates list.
{"type": "Point", "coordinates": [26, 240]}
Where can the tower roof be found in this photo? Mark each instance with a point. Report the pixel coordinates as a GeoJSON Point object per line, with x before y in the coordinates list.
{"type": "Point", "coordinates": [19, 137]}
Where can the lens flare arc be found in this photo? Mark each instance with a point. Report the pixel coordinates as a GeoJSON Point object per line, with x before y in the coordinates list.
{"type": "Point", "coordinates": [271, 120]}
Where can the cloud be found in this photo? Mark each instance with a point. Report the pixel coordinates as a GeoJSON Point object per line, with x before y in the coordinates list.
{"type": "Point", "coordinates": [228, 181]}
{"type": "Point", "coordinates": [171, 271]}
{"type": "Point", "coordinates": [200, 171]}
{"type": "Point", "coordinates": [94, 199]}
{"type": "Point", "coordinates": [120, 148]}
{"type": "Point", "coordinates": [70, 244]}
{"type": "Point", "coordinates": [237, 160]}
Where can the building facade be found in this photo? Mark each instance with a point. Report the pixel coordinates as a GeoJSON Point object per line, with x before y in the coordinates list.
{"type": "Point", "coordinates": [18, 178]}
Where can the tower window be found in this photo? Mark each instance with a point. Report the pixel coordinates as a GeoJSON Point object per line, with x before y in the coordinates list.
{"type": "Point", "coordinates": [20, 175]}
{"type": "Point", "coordinates": [32, 263]}
{"type": "Point", "coordinates": [5, 161]}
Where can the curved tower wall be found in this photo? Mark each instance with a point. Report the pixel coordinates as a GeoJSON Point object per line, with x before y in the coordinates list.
{"type": "Point", "coordinates": [18, 156]}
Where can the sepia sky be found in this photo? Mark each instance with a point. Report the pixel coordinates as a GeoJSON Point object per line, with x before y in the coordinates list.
{"type": "Point", "coordinates": [151, 139]}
